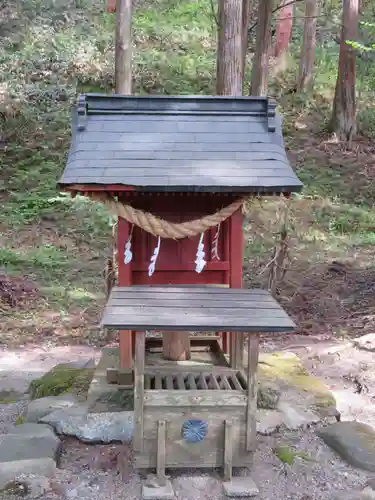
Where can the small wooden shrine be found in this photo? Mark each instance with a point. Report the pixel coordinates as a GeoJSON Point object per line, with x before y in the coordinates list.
{"type": "Point", "coordinates": [176, 171]}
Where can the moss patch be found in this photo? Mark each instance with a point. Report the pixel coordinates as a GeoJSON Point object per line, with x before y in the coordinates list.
{"type": "Point", "coordinates": [62, 379]}
{"type": "Point", "coordinates": [20, 420]}
{"type": "Point", "coordinates": [287, 455]}
{"type": "Point", "coordinates": [287, 367]}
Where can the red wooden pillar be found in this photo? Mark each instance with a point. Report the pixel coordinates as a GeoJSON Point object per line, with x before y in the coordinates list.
{"type": "Point", "coordinates": [235, 258]}
{"type": "Point", "coordinates": [226, 279]}
{"type": "Point", "coordinates": [124, 279]}
{"type": "Point", "coordinates": [284, 28]}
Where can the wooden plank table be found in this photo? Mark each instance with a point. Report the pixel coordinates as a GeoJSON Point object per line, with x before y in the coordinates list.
{"type": "Point", "coordinates": [196, 308]}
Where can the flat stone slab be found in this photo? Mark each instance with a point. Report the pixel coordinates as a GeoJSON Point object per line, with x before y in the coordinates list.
{"type": "Point", "coordinates": [158, 492]}
{"type": "Point", "coordinates": [240, 487]}
{"type": "Point", "coordinates": [92, 427]}
{"type": "Point", "coordinates": [268, 422]}
{"type": "Point", "coordinates": [286, 371]}
{"type": "Point", "coordinates": [365, 342]}
{"type": "Point", "coordinates": [29, 429]}
{"type": "Point", "coordinates": [285, 416]}
{"type": "Point", "coordinates": [38, 408]}
{"type": "Point", "coordinates": [294, 418]}
{"type": "Point", "coordinates": [25, 446]}
{"type": "Point", "coordinates": [10, 471]}
{"type": "Point", "coordinates": [353, 441]}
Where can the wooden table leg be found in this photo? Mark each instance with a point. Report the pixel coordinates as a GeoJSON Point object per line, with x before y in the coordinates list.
{"type": "Point", "coordinates": [252, 391]}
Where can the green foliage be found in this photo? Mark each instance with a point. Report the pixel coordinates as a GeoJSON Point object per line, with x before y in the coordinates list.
{"type": "Point", "coordinates": [360, 46]}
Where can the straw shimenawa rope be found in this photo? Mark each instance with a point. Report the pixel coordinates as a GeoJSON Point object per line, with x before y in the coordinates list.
{"type": "Point", "coordinates": [159, 227]}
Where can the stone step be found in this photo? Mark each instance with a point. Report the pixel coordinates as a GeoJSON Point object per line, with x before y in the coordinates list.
{"type": "Point", "coordinates": [27, 442]}
{"type": "Point", "coordinates": [10, 471]}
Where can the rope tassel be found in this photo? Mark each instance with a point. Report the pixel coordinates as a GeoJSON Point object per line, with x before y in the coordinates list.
{"type": "Point", "coordinates": [151, 267]}
{"type": "Point", "coordinates": [215, 244]}
{"type": "Point", "coordinates": [128, 254]}
{"type": "Point", "coordinates": [199, 261]}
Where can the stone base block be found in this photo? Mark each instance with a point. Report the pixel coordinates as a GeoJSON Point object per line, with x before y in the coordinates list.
{"type": "Point", "coordinates": [240, 487]}
{"type": "Point", "coordinates": [164, 492]}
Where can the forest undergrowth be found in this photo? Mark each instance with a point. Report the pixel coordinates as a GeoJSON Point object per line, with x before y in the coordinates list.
{"type": "Point", "coordinates": [53, 249]}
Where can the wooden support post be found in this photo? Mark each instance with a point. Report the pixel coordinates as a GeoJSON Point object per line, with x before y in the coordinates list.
{"type": "Point", "coordinates": [228, 450]}
{"type": "Point", "coordinates": [139, 370]}
{"type": "Point", "coordinates": [234, 234]}
{"type": "Point", "coordinates": [252, 391]}
{"type": "Point", "coordinates": [161, 453]}
{"type": "Point", "coordinates": [236, 359]}
{"type": "Point", "coordinates": [176, 346]}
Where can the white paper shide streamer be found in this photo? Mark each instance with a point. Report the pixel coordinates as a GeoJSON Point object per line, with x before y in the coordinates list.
{"type": "Point", "coordinates": [215, 245]}
{"type": "Point", "coordinates": [128, 254]}
{"type": "Point", "coordinates": [151, 267]}
{"type": "Point", "coordinates": [199, 261]}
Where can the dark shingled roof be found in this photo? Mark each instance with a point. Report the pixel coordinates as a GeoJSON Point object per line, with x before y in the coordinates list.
{"type": "Point", "coordinates": [179, 143]}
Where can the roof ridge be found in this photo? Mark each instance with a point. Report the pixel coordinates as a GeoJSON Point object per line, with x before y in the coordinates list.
{"type": "Point", "coordinates": [89, 104]}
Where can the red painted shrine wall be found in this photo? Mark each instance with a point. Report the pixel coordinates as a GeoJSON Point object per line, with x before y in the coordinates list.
{"type": "Point", "coordinates": [175, 263]}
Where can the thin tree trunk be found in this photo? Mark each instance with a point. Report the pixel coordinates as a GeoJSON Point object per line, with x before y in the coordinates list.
{"type": "Point", "coordinates": [229, 64]}
{"type": "Point", "coordinates": [123, 55]}
{"type": "Point", "coordinates": [111, 6]}
{"type": "Point", "coordinates": [259, 74]}
{"type": "Point", "coordinates": [343, 121]}
{"type": "Point", "coordinates": [245, 33]}
{"type": "Point", "coordinates": [306, 64]}
{"type": "Point", "coordinates": [284, 28]}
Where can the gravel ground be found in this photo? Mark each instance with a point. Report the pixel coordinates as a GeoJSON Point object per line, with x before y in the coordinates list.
{"type": "Point", "coordinates": [92, 473]}
{"type": "Point", "coordinates": [106, 472]}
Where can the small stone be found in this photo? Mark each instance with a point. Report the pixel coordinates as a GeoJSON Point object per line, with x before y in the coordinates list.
{"type": "Point", "coordinates": [92, 427]}
{"type": "Point", "coordinates": [365, 342]}
{"type": "Point", "coordinates": [71, 493]}
{"type": "Point", "coordinates": [240, 487]}
{"type": "Point", "coordinates": [39, 408]}
{"type": "Point", "coordinates": [268, 396]}
{"type": "Point", "coordinates": [268, 422]}
{"type": "Point", "coordinates": [367, 494]}
{"type": "Point", "coordinates": [29, 446]}
{"type": "Point", "coordinates": [10, 471]}
{"type": "Point", "coordinates": [295, 418]}
{"type": "Point", "coordinates": [164, 492]}
{"type": "Point", "coordinates": [353, 441]}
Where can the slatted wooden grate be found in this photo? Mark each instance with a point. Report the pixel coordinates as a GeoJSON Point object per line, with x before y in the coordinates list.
{"type": "Point", "coordinates": [196, 381]}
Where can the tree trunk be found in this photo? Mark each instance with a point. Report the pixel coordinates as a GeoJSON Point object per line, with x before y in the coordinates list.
{"type": "Point", "coordinates": [245, 34]}
{"type": "Point", "coordinates": [259, 74]}
{"type": "Point", "coordinates": [306, 64]}
{"type": "Point", "coordinates": [230, 62]}
{"type": "Point", "coordinates": [123, 55]}
{"type": "Point", "coordinates": [343, 120]}
{"type": "Point", "coordinates": [284, 28]}
{"type": "Point", "coordinates": [111, 6]}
